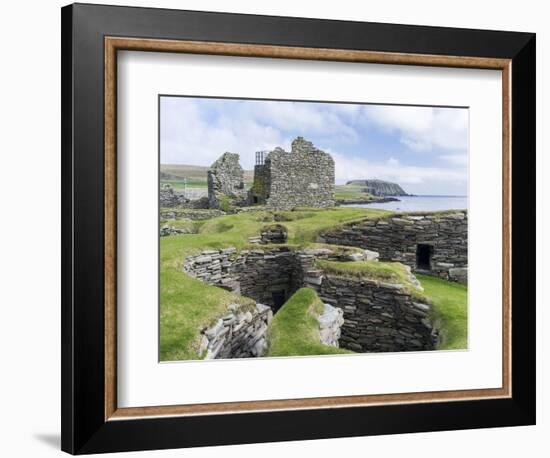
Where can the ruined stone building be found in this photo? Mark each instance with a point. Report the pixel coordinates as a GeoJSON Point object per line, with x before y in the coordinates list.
{"type": "Point", "coordinates": [302, 177]}
{"type": "Point", "coordinates": [226, 182]}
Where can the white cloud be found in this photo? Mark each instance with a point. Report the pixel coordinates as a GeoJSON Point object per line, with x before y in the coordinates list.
{"type": "Point", "coordinates": [195, 132]}
{"type": "Point", "coordinates": [422, 128]}
{"type": "Point", "coordinates": [187, 137]}
{"type": "Point", "coordinates": [455, 159]}
{"type": "Point", "coordinates": [306, 117]}
{"type": "Point", "coordinates": [354, 168]}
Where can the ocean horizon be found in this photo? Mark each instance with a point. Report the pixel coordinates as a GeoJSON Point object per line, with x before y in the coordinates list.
{"type": "Point", "coordinates": [420, 203]}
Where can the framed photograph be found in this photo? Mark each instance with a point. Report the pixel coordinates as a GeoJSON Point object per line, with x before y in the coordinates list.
{"type": "Point", "coordinates": [282, 228]}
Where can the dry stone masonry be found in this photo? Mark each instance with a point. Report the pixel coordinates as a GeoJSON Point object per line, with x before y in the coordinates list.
{"type": "Point", "coordinates": [238, 334]}
{"type": "Point", "coordinates": [302, 177]}
{"type": "Point", "coordinates": [435, 242]}
{"type": "Point", "coordinates": [376, 316]}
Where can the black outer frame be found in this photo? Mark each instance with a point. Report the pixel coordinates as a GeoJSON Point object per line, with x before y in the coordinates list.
{"type": "Point", "coordinates": [84, 429]}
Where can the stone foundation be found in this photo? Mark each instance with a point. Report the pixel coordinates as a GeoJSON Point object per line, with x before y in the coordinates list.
{"type": "Point", "coordinates": [237, 334]}
{"type": "Point", "coordinates": [276, 233]}
{"type": "Point", "coordinates": [191, 214]}
{"type": "Point", "coordinates": [401, 238]}
{"type": "Point", "coordinates": [377, 316]}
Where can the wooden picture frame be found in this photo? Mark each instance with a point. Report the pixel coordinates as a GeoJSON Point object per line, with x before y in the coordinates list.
{"type": "Point", "coordinates": [91, 419]}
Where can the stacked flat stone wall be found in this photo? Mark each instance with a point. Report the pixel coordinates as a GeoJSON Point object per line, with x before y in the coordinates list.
{"type": "Point", "coordinates": [197, 214]}
{"type": "Point", "coordinates": [253, 273]}
{"type": "Point", "coordinates": [275, 233]}
{"type": "Point", "coordinates": [237, 334]}
{"type": "Point", "coordinates": [378, 317]}
{"type": "Point", "coordinates": [396, 238]}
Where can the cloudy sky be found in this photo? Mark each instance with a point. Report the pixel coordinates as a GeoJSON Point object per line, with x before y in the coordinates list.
{"type": "Point", "coordinates": [423, 149]}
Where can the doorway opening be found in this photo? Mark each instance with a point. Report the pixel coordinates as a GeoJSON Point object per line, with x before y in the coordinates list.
{"type": "Point", "coordinates": [424, 254]}
{"type": "Point", "coordinates": [279, 298]}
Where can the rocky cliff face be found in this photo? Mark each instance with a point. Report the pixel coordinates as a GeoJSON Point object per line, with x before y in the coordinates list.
{"type": "Point", "coordinates": [380, 187]}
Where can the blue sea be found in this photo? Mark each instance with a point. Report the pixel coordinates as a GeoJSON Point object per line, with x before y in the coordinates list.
{"type": "Point", "coordinates": [420, 203]}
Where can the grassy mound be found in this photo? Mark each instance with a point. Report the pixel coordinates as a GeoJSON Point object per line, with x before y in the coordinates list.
{"type": "Point", "coordinates": [294, 330]}
{"type": "Point", "coordinates": [450, 309]}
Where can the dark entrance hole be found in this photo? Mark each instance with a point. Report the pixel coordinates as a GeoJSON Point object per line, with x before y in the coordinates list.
{"type": "Point", "coordinates": [255, 199]}
{"type": "Point", "coordinates": [424, 256]}
{"type": "Point", "coordinates": [279, 298]}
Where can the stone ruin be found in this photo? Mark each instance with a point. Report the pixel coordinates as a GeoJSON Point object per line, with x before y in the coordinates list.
{"type": "Point", "coordinates": [169, 197]}
{"type": "Point", "coordinates": [226, 182]}
{"type": "Point", "coordinates": [434, 243]}
{"type": "Point", "coordinates": [302, 177]}
{"type": "Point", "coordinates": [371, 316]}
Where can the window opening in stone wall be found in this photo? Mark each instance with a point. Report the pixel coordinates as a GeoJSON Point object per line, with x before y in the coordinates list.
{"type": "Point", "coordinates": [424, 254]}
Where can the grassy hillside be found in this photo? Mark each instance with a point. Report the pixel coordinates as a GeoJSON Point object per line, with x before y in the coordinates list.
{"type": "Point", "coordinates": [174, 175]}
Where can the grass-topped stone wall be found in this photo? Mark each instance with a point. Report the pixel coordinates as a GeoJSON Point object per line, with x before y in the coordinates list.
{"type": "Point", "coordinates": [434, 242]}
{"type": "Point", "coordinates": [384, 306]}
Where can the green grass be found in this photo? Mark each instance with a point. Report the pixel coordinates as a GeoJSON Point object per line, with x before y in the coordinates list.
{"type": "Point", "coordinates": [187, 305]}
{"type": "Point", "coordinates": [174, 174]}
{"type": "Point", "coordinates": [386, 272]}
{"type": "Point", "coordinates": [192, 225]}
{"type": "Point", "coordinates": [190, 183]}
{"type": "Point", "coordinates": [294, 330]}
{"type": "Point", "coordinates": [450, 309]}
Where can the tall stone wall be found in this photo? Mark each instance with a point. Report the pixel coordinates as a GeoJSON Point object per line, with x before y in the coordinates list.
{"type": "Point", "coordinates": [397, 238]}
{"type": "Point", "coordinates": [226, 181]}
{"type": "Point", "coordinates": [259, 193]}
{"type": "Point", "coordinates": [304, 177]}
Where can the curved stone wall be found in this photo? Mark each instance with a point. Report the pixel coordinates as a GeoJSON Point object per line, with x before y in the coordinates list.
{"type": "Point", "coordinates": [237, 334]}
{"type": "Point", "coordinates": [377, 316]}
{"type": "Point", "coordinates": [397, 238]}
